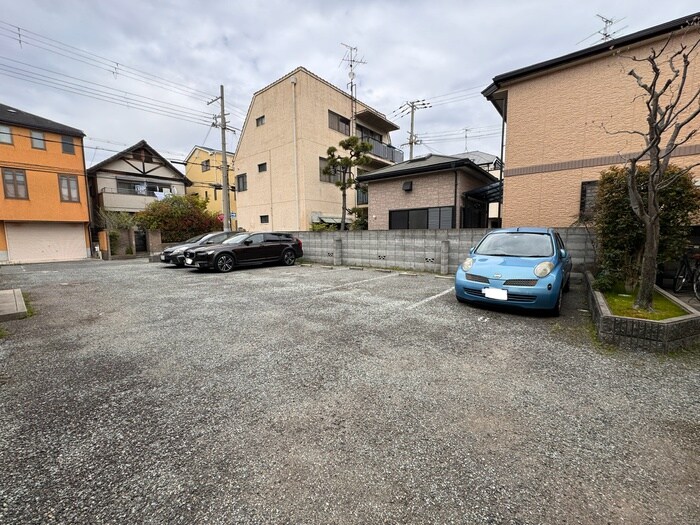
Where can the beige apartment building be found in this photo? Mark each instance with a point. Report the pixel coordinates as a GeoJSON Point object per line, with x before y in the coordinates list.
{"type": "Point", "coordinates": [203, 169]}
{"type": "Point", "coordinates": [282, 152]}
{"type": "Point", "coordinates": [562, 117]}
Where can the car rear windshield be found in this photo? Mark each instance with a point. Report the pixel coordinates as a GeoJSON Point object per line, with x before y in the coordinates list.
{"type": "Point", "coordinates": [516, 244]}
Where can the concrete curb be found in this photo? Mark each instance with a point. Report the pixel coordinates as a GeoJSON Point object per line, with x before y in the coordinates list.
{"type": "Point", "coordinates": [12, 305]}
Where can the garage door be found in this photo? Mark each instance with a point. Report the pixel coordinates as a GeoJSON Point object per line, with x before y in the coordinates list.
{"type": "Point", "coordinates": [45, 241]}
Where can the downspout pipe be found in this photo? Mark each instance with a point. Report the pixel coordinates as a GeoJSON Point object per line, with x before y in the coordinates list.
{"type": "Point", "coordinates": [293, 80]}
{"type": "Point", "coordinates": [457, 217]}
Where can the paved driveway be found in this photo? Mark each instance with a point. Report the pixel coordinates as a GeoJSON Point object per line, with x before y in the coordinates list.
{"type": "Point", "coordinates": [145, 394]}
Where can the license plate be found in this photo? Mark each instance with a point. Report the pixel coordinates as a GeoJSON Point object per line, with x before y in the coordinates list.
{"type": "Point", "coordinates": [188, 261]}
{"type": "Point", "coordinates": [496, 293]}
{"type": "Point", "coordinates": [162, 257]}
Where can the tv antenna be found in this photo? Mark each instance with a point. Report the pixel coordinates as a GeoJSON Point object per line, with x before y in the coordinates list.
{"type": "Point", "coordinates": [605, 33]}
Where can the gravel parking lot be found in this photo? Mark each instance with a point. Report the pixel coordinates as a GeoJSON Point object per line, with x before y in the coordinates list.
{"type": "Point", "coordinates": [140, 393]}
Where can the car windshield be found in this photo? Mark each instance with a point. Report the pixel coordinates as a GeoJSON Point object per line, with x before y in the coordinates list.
{"type": "Point", "coordinates": [196, 238]}
{"type": "Point", "coordinates": [516, 244]}
{"type": "Point", "coordinates": [236, 238]}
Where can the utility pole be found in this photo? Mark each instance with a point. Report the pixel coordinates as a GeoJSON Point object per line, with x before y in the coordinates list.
{"type": "Point", "coordinates": [226, 203]}
{"type": "Point", "coordinates": [411, 107]}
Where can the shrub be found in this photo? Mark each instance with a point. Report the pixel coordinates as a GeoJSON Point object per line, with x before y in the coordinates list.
{"type": "Point", "coordinates": [178, 217]}
{"type": "Point", "coordinates": [114, 241]}
{"type": "Point", "coordinates": [620, 233]}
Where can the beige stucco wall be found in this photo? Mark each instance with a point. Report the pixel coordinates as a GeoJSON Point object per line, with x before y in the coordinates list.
{"type": "Point", "coordinates": [437, 189]}
{"type": "Point", "coordinates": [570, 116]}
{"type": "Point", "coordinates": [201, 180]}
{"type": "Point", "coordinates": [290, 192]}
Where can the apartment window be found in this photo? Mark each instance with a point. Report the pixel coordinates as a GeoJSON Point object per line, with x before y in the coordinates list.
{"type": "Point", "coordinates": [5, 135]}
{"type": "Point", "coordinates": [264, 219]}
{"type": "Point", "coordinates": [67, 145]}
{"type": "Point", "coordinates": [260, 121]}
{"type": "Point", "coordinates": [362, 196]}
{"type": "Point", "coordinates": [327, 177]}
{"type": "Point", "coordinates": [38, 141]}
{"type": "Point", "coordinates": [68, 185]}
{"type": "Point", "coordinates": [241, 182]}
{"type": "Point", "coordinates": [206, 165]}
{"type": "Point", "coordinates": [14, 182]}
{"type": "Point", "coordinates": [589, 192]}
{"type": "Point", "coordinates": [262, 167]}
{"type": "Point", "coordinates": [439, 218]}
{"type": "Point", "coordinates": [338, 123]}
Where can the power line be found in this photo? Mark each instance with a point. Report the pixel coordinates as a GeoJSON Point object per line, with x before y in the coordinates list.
{"type": "Point", "coordinates": [116, 94]}
{"type": "Point", "coordinates": [25, 36]}
{"type": "Point", "coordinates": [118, 91]}
{"type": "Point", "coordinates": [104, 99]}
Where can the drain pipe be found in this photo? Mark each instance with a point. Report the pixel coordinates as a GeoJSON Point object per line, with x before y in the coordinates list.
{"type": "Point", "coordinates": [293, 80]}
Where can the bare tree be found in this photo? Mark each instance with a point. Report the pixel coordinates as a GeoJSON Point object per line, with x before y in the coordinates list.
{"type": "Point", "coordinates": [672, 104]}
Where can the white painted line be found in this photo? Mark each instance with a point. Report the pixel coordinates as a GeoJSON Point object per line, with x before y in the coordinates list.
{"type": "Point", "coordinates": [358, 282]}
{"type": "Point", "coordinates": [416, 305]}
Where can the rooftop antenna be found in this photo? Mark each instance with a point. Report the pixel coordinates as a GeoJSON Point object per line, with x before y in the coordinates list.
{"type": "Point", "coordinates": [352, 61]}
{"type": "Point", "coordinates": [605, 33]}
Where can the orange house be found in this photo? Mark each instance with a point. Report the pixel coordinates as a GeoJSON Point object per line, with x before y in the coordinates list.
{"type": "Point", "coordinates": [44, 210]}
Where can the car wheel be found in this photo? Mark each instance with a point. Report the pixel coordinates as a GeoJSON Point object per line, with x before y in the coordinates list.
{"type": "Point", "coordinates": [556, 311]}
{"type": "Point", "coordinates": [567, 285]}
{"type": "Point", "coordinates": [289, 257]}
{"type": "Point", "coordinates": [224, 262]}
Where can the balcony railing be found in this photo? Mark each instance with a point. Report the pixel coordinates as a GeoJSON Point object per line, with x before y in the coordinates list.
{"type": "Point", "coordinates": [124, 191]}
{"type": "Point", "coordinates": [384, 151]}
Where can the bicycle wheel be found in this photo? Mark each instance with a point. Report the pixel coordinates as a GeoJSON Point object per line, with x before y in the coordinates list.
{"type": "Point", "coordinates": [696, 285]}
{"type": "Point", "coordinates": [682, 276]}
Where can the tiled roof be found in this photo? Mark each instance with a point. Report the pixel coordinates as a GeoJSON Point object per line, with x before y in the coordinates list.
{"type": "Point", "coordinates": [16, 117]}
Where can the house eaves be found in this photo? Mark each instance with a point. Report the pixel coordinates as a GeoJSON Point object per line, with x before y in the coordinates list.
{"type": "Point", "coordinates": [443, 163]}
{"type": "Point", "coordinates": [500, 81]}
{"type": "Point", "coordinates": [16, 117]}
{"type": "Point", "coordinates": [92, 171]}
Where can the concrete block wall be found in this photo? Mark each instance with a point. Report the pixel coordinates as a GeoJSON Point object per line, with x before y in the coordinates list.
{"type": "Point", "coordinates": [419, 250]}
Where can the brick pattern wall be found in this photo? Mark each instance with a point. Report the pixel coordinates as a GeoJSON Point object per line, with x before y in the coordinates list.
{"type": "Point", "coordinates": [435, 189]}
{"type": "Point", "coordinates": [561, 130]}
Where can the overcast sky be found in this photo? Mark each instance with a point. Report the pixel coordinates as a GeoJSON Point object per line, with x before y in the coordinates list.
{"type": "Point", "coordinates": [445, 52]}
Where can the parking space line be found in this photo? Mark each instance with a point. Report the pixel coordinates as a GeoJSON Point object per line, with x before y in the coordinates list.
{"type": "Point", "coordinates": [358, 282]}
{"type": "Point", "coordinates": [416, 305]}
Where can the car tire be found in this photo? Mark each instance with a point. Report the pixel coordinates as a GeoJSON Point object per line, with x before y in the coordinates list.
{"type": "Point", "coordinates": [289, 257]}
{"type": "Point", "coordinates": [556, 311]}
{"type": "Point", "coordinates": [567, 285]}
{"type": "Point", "coordinates": [224, 262]}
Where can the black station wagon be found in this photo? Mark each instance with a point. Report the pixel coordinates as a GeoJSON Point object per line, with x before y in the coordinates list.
{"type": "Point", "coordinates": [246, 249]}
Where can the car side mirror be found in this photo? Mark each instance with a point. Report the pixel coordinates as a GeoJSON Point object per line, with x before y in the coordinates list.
{"type": "Point", "coordinates": [209, 242]}
{"type": "Point", "coordinates": [563, 253]}
{"type": "Point", "coordinates": [247, 242]}
{"type": "Point", "coordinates": [471, 251]}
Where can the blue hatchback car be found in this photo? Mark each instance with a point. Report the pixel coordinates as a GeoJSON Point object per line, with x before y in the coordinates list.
{"type": "Point", "coordinates": [525, 267]}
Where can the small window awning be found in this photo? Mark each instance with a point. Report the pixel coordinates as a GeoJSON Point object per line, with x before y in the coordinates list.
{"type": "Point", "coordinates": [329, 220]}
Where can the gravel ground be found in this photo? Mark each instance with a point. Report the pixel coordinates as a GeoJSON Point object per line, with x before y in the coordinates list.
{"type": "Point", "coordinates": [139, 393]}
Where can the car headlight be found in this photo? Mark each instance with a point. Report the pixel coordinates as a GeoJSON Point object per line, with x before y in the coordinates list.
{"type": "Point", "coordinates": [467, 264]}
{"type": "Point", "coordinates": [210, 252]}
{"type": "Point", "coordinates": [544, 269]}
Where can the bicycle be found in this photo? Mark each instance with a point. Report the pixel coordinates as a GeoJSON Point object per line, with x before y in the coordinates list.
{"type": "Point", "coordinates": [688, 273]}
